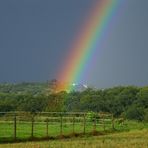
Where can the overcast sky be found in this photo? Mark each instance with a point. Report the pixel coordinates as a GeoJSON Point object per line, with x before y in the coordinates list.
{"type": "Point", "coordinates": [35, 36]}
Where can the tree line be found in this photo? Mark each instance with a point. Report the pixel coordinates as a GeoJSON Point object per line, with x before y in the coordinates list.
{"type": "Point", "coordinates": [130, 102]}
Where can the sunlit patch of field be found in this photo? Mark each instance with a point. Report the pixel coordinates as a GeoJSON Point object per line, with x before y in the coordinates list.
{"type": "Point", "coordinates": [131, 139]}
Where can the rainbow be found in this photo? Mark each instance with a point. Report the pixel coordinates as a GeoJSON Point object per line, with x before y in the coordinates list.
{"type": "Point", "coordinates": [86, 42]}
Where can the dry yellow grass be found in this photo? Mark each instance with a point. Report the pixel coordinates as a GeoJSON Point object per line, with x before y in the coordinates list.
{"type": "Point", "coordinates": [132, 139]}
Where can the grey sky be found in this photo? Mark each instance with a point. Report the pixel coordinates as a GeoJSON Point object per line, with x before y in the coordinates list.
{"type": "Point", "coordinates": [35, 36]}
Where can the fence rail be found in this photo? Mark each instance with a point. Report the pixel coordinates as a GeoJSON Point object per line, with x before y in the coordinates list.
{"type": "Point", "coordinates": [24, 125]}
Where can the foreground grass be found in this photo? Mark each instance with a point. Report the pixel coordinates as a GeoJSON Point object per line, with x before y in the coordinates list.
{"type": "Point", "coordinates": [130, 139]}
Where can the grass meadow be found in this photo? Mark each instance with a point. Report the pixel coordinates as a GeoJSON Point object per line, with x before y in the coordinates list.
{"type": "Point", "coordinates": [24, 129]}
{"type": "Point", "coordinates": [129, 139]}
{"type": "Point", "coordinates": [132, 134]}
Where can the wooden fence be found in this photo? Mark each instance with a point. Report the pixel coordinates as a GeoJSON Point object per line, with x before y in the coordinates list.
{"type": "Point", "coordinates": [25, 125]}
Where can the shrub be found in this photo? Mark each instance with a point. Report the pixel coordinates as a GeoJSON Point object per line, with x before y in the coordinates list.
{"type": "Point", "coordinates": [135, 112]}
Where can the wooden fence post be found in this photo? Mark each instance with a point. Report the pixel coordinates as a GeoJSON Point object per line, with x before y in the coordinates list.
{"type": "Point", "coordinates": [61, 125]}
{"type": "Point", "coordinates": [94, 130]}
{"type": "Point", "coordinates": [104, 122]}
{"type": "Point", "coordinates": [14, 127]}
{"type": "Point", "coordinates": [113, 126]}
{"type": "Point", "coordinates": [84, 124]}
{"type": "Point", "coordinates": [47, 127]}
{"type": "Point", "coordinates": [73, 124]}
{"type": "Point", "coordinates": [32, 126]}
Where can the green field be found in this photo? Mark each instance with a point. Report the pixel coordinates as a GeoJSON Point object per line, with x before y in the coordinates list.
{"type": "Point", "coordinates": [40, 129]}
{"type": "Point", "coordinates": [24, 127]}
{"type": "Point", "coordinates": [80, 130]}
{"type": "Point", "coordinates": [129, 139]}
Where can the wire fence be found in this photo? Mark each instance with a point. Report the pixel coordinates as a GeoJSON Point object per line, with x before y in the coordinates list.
{"type": "Point", "coordinates": [26, 125]}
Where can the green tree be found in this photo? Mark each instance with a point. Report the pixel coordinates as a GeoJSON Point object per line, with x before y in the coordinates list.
{"type": "Point", "coordinates": [135, 112]}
